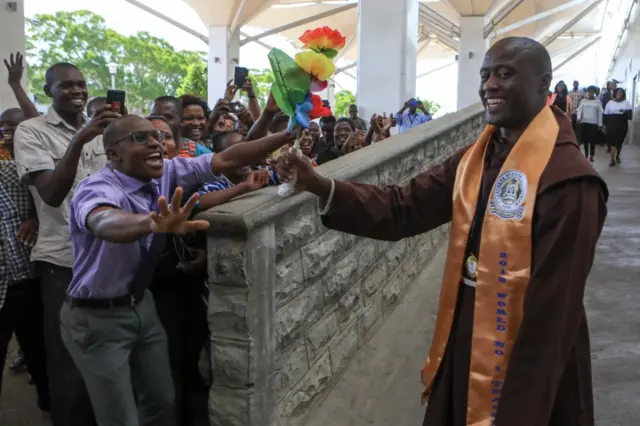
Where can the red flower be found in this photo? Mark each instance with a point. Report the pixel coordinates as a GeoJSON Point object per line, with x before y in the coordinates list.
{"type": "Point", "coordinates": [323, 40]}
{"type": "Point", "coordinates": [318, 110]}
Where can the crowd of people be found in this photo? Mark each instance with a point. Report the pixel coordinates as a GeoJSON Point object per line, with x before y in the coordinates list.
{"type": "Point", "coordinates": [84, 236]}
{"type": "Point", "coordinates": [598, 116]}
{"type": "Point", "coordinates": [97, 210]}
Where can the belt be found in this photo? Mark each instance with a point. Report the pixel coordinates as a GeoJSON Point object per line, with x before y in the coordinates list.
{"type": "Point", "coordinates": [116, 302]}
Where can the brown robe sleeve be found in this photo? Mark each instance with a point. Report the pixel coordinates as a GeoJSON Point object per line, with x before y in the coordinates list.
{"type": "Point", "coordinates": [553, 335]}
{"type": "Point", "coordinates": [395, 212]}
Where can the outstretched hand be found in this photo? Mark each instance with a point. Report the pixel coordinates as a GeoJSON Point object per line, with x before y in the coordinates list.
{"type": "Point", "coordinates": [175, 219]}
{"type": "Point", "coordinates": [292, 164]}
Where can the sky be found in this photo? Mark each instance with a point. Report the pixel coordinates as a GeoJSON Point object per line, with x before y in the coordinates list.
{"type": "Point", "coordinates": [125, 18]}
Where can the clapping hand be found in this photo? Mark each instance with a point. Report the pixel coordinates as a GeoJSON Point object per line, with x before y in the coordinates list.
{"type": "Point", "coordinates": [175, 220]}
{"type": "Point", "coordinates": [387, 122]}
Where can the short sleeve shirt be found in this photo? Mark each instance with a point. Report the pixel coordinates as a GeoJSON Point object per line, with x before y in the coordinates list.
{"type": "Point", "coordinates": [40, 143]}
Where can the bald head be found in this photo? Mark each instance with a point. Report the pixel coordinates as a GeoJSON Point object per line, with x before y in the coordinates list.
{"type": "Point", "coordinates": [123, 126]}
{"type": "Point", "coordinates": [515, 79]}
{"type": "Point", "coordinates": [524, 50]}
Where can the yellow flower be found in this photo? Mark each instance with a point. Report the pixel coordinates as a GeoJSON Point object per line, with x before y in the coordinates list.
{"type": "Point", "coordinates": [316, 64]}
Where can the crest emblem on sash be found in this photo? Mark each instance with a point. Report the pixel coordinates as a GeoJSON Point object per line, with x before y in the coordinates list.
{"type": "Point", "coordinates": [472, 266]}
{"type": "Point", "coordinates": [508, 195]}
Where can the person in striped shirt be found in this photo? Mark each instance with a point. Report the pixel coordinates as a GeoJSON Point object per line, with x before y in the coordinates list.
{"type": "Point", "coordinates": [576, 95]}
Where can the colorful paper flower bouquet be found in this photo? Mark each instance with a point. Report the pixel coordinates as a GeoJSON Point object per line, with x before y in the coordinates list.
{"type": "Point", "coordinates": [298, 79]}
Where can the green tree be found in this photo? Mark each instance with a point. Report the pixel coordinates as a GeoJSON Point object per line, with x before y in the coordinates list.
{"type": "Point", "coordinates": [148, 66]}
{"type": "Point", "coordinates": [431, 106]}
{"type": "Point", "coordinates": [344, 99]}
{"type": "Point", "coordinates": [196, 81]}
{"type": "Point", "coordinates": [262, 80]}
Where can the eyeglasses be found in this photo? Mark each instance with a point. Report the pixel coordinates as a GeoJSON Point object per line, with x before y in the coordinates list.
{"type": "Point", "coordinates": [143, 136]}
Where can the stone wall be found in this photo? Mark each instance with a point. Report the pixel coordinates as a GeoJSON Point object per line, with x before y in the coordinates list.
{"type": "Point", "coordinates": [291, 301]}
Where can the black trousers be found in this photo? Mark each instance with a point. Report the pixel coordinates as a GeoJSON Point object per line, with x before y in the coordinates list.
{"type": "Point", "coordinates": [183, 315]}
{"type": "Point", "coordinates": [589, 134]}
{"type": "Point", "coordinates": [22, 315]}
{"type": "Point", "coordinates": [70, 403]}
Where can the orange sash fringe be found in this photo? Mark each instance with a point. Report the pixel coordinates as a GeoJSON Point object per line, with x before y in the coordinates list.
{"type": "Point", "coordinates": [504, 262]}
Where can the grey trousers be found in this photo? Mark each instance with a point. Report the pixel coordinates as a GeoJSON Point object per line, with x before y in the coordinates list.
{"type": "Point", "coordinates": [123, 357]}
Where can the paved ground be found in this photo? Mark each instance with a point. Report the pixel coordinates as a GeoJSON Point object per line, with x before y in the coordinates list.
{"type": "Point", "coordinates": [381, 386]}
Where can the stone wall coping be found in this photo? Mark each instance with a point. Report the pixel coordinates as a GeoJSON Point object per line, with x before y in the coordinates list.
{"type": "Point", "coordinates": [238, 217]}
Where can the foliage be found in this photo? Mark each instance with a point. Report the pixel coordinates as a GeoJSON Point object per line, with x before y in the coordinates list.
{"type": "Point", "coordinates": [148, 66]}
{"type": "Point", "coordinates": [196, 81]}
{"type": "Point", "coordinates": [431, 106]}
{"type": "Point", "coordinates": [343, 99]}
{"type": "Point", "coordinates": [262, 81]}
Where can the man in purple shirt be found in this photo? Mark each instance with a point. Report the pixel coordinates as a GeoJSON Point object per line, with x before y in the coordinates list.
{"type": "Point", "coordinates": [109, 322]}
{"type": "Point", "coordinates": [412, 118]}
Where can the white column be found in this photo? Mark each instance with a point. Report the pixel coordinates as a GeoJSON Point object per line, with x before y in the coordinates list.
{"type": "Point", "coordinates": [331, 93]}
{"type": "Point", "coordinates": [224, 56]}
{"type": "Point", "coordinates": [12, 40]}
{"type": "Point", "coordinates": [473, 46]}
{"type": "Point", "coordinates": [387, 54]}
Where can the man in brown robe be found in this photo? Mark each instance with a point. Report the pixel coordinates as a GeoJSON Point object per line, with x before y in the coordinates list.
{"type": "Point", "coordinates": [548, 381]}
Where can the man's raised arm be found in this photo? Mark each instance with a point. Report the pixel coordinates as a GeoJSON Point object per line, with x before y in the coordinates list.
{"type": "Point", "coordinates": [385, 213]}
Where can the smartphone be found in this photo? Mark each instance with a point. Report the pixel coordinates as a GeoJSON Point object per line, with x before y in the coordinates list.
{"type": "Point", "coordinates": [115, 98]}
{"type": "Point", "coordinates": [325, 103]}
{"type": "Point", "coordinates": [240, 76]}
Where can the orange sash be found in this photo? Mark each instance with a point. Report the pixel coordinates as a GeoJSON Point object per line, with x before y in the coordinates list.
{"type": "Point", "coordinates": [504, 262]}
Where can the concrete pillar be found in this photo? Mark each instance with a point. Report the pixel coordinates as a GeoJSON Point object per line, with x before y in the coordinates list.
{"type": "Point", "coordinates": [473, 46]}
{"type": "Point", "coordinates": [387, 54]}
{"type": "Point", "coordinates": [224, 56]}
{"type": "Point", "coordinates": [331, 94]}
{"type": "Point", "coordinates": [12, 40]}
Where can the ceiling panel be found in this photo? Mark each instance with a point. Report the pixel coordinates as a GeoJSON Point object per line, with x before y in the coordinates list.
{"type": "Point", "coordinates": [261, 14]}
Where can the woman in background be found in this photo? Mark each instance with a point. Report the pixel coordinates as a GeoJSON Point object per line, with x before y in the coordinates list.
{"type": "Point", "coordinates": [560, 98]}
{"type": "Point", "coordinates": [194, 120]}
{"type": "Point", "coordinates": [617, 114]}
{"type": "Point", "coordinates": [589, 115]}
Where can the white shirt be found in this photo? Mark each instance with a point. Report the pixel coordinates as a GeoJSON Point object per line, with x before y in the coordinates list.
{"type": "Point", "coordinates": [614, 107]}
{"type": "Point", "coordinates": [590, 111]}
